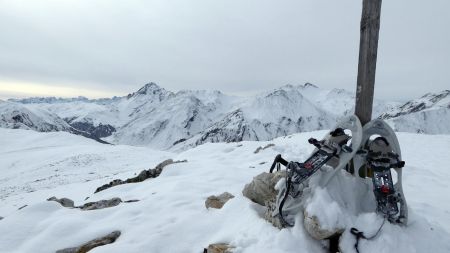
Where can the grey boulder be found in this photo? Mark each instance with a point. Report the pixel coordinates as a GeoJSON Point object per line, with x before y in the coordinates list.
{"type": "Point", "coordinates": [218, 201]}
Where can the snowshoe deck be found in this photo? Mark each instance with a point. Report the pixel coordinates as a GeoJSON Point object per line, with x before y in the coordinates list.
{"type": "Point", "coordinates": [375, 159]}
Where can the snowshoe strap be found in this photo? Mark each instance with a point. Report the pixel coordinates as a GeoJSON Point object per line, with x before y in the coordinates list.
{"type": "Point", "coordinates": [358, 234]}
{"type": "Point", "coordinates": [337, 132]}
{"type": "Point", "coordinates": [276, 162]}
{"type": "Point", "coordinates": [280, 208]}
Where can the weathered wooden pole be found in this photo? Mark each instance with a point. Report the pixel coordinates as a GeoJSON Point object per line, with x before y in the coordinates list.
{"type": "Point", "coordinates": [368, 46]}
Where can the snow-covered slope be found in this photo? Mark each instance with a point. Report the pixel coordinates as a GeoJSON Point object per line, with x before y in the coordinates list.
{"type": "Point", "coordinates": [277, 113]}
{"type": "Point", "coordinates": [155, 117]}
{"type": "Point", "coordinates": [15, 115]}
{"type": "Point", "coordinates": [159, 118]}
{"type": "Point", "coordinates": [428, 114]}
{"type": "Point", "coordinates": [171, 216]}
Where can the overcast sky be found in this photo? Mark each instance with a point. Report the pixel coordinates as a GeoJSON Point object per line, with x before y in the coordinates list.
{"type": "Point", "coordinates": [103, 48]}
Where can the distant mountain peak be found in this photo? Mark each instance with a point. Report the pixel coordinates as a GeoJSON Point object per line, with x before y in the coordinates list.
{"type": "Point", "coordinates": [151, 89]}
{"type": "Point", "coordinates": [306, 85]}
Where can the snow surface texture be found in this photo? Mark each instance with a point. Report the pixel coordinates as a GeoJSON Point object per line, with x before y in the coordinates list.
{"type": "Point", "coordinates": [157, 118]}
{"type": "Point", "coordinates": [171, 216]}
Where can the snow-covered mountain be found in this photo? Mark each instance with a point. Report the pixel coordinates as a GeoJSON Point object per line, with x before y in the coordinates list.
{"type": "Point", "coordinates": [15, 115]}
{"type": "Point", "coordinates": [155, 117]}
{"type": "Point", "coordinates": [25, 116]}
{"type": "Point", "coordinates": [49, 100]}
{"type": "Point", "coordinates": [428, 114]}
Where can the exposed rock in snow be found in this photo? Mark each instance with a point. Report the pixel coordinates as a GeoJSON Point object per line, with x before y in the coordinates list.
{"type": "Point", "coordinates": [65, 202]}
{"type": "Point", "coordinates": [101, 204]}
{"type": "Point", "coordinates": [316, 230]}
{"type": "Point", "coordinates": [106, 203]}
{"type": "Point", "coordinates": [218, 201]}
{"type": "Point", "coordinates": [262, 188]}
{"type": "Point", "coordinates": [262, 148]}
{"type": "Point", "coordinates": [145, 174]}
{"type": "Point", "coordinates": [101, 241]}
{"type": "Point", "coordinates": [219, 248]}
{"type": "Point", "coordinates": [22, 207]}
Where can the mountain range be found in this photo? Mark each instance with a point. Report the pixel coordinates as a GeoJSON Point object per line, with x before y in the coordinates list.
{"type": "Point", "coordinates": [162, 119]}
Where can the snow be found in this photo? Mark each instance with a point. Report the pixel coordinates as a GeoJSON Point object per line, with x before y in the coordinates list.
{"type": "Point", "coordinates": [158, 118]}
{"type": "Point", "coordinates": [171, 216]}
{"type": "Point", "coordinates": [14, 115]}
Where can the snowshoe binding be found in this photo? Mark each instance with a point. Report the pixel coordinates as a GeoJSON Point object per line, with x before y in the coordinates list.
{"type": "Point", "coordinates": [380, 154]}
{"type": "Point", "coordinates": [332, 150]}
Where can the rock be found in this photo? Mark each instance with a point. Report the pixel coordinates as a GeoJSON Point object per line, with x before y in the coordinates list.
{"type": "Point", "coordinates": [105, 203]}
{"type": "Point", "coordinates": [218, 201]}
{"type": "Point", "coordinates": [219, 248]}
{"type": "Point", "coordinates": [274, 220]}
{"type": "Point", "coordinates": [262, 148]}
{"type": "Point", "coordinates": [101, 204]}
{"type": "Point", "coordinates": [109, 185]}
{"type": "Point", "coordinates": [131, 201]}
{"type": "Point", "coordinates": [262, 187]}
{"type": "Point", "coordinates": [63, 201]}
{"type": "Point", "coordinates": [143, 175]}
{"type": "Point", "coordinates": [313, 227]}
{"type": "Point", "coordinates": [107, 239]}
{"type": "Point", "coordinates": [22, 207]}
{"type": "Point", "coordinates": [68, 250]}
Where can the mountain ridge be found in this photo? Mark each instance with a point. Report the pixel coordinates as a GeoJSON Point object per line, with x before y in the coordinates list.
{"type": "Point", "coordinates": [156, 117]}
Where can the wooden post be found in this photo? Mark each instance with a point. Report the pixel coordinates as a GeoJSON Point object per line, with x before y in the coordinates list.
{"type": "Point", "coordinates": [368, 45]}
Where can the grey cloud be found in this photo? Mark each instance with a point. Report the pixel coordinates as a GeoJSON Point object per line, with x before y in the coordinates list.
{"type": "Point", "coordinates": [231, 45]}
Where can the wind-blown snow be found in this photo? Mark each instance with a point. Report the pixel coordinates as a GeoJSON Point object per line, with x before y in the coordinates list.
{"type": "Point", "coordinates": [171, 216]}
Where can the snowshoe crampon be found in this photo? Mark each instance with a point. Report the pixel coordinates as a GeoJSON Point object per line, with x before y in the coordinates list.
{"type": "Point", "coordinates": [378, 156]}
{"type": "Point", "coordinates": [336, 149]}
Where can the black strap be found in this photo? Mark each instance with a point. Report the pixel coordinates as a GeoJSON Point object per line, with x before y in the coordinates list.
{"type": "Point", "coordinates": [276, 162]}
{"type": "Point", "coordinates": [358, 234]}
{"type": "Point", "coordinates": [280, 208]}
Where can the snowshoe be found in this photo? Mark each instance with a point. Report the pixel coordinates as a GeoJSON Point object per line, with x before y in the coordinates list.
{"type": "Point", "coordinates": [379, 154]}
{"type": "Point", "coordinates": [332, 150]}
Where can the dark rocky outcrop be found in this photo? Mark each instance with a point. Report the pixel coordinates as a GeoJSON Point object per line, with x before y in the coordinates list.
{"type": "Point", "coordinates": [145, 174]}
{"type": "Point", "coordinates": [218, 201]}
{"type": "Point", "coordinates": [104, 240]}
{"type": "Point", "coordinates": [95, 132]}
